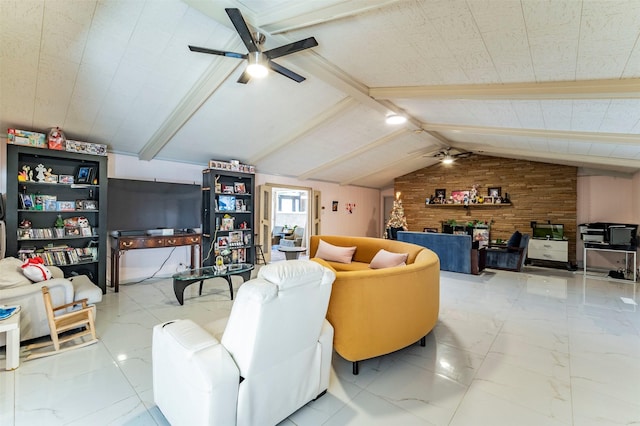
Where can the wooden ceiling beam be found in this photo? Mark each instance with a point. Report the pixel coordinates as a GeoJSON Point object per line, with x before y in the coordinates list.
{"type": "Point", "coordinates": [586, 89]}
{"type": "Point", "coordinates": [595, 137]}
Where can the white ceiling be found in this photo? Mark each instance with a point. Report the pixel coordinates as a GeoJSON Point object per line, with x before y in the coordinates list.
{"type": "Point", "coordinates": [554, 81]}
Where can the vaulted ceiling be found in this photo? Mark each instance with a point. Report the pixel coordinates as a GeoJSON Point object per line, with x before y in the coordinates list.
{"type": "Point", "coordinates": [552, 81]}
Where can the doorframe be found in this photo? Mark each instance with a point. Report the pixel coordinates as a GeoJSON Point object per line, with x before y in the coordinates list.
{"type": "Point", "coordinates": [312, 224]}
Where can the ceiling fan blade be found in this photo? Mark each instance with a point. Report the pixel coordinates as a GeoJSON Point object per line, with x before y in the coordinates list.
{"type": "Point", "coordinates": [242, 29]}
{"type": "Point", "coordinates": [290, 48]}
{"type": "Point", "coordinates": [217, 52]}
{"type": "Point", "coordinates": [286, 72]}
{"type": "Point", "coordinates": [244, 77]}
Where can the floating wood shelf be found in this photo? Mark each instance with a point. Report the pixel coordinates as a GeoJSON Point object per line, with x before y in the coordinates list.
{"type": "Point", "coordinates": [470, 205]}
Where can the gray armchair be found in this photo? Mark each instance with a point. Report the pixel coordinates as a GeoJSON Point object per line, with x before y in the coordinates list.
{"type": "Point", "coordinates": [293, 240]}
{"type": "Point", "coordinates": [511, 257]}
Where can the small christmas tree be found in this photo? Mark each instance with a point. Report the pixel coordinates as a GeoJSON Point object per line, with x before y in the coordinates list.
{"type": "Point", "coordinates": [396, 221]}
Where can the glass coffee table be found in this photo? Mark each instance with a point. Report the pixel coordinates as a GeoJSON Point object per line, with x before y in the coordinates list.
{"type": "Point", "coordinates": [184, 279]}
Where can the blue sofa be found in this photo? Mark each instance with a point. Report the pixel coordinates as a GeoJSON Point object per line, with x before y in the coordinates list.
{"type": "Point", "coordinates": [456, 252]}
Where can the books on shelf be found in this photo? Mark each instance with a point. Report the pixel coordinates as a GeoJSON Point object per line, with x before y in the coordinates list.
{"type": "Point", "coordinates": [51, 233]}
{"type": "Point", "coordinates": [61, 255]}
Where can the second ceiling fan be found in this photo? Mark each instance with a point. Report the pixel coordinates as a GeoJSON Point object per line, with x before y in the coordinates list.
{"type": "Point", "coordinates": [256, 58]}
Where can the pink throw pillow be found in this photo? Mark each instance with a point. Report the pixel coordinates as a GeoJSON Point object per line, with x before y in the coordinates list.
{"type": "Point", "coordinates": [333, 253]}
{"type": "Point", "coordinates": [386, 259]}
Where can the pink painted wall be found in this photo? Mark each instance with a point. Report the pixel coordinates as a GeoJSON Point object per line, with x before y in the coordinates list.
{"type": "Point", "coordinates": [607, 199]}
{"type": "Point", "coordinates": [364, 221]}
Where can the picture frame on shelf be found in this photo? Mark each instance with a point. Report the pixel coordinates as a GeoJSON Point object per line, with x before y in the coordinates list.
{"type": "Point", "coordinates": [66, 206]}
{"type": "Point", "coordinates": [223, 242]}
{"type": "Point", "coordinates": [235, 238]}
{"type": "Point", "coordinates": [50, 202]}
{"type": "Point", "coordinates": [227, 224]}
{"type": "Point", "coordinates": [90, 205]}
{"type": "Point", "coordinates": [226, 203]}
{"type": "Point", "coordinates": [494, 191]}
{"type": "Point", "coordinates": [84, 175]}
{"type": "Point", "coordinates": [228, 189]}
{"type": "Point", "coordinates": [239, 188]}
{"type": "Point", "coordinates": [459, 196]}
{"type": "Point", "coordinates": [26, 202]}
{"type": "Point", "coordinates": [51, 178]}
{"type": "Point", "coordinates": [441, 193]}
{"type": "Point", "coordinates": [68, 179]}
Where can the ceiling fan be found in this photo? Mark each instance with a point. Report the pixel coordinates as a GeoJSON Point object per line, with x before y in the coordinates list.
{"type": "Point", "coordinates": [258, 61]}
{"type": "Point", "coordinates": [447, 157]}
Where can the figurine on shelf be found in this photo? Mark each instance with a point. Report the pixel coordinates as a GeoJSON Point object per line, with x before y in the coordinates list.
{"type": "Point", "coordinates": [40, 169]}
{"type": "Point", "coordinates": [59, 222]}
{"type": "Point", "coordinates": [473, 195]}
{"type": "Point", "coordinates": [56, 139]}
{"type": "Point", "coordinates": [26, 174]}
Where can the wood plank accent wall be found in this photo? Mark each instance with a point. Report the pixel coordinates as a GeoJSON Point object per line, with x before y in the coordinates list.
{"type": "Point", "coordinates": [538, 191]}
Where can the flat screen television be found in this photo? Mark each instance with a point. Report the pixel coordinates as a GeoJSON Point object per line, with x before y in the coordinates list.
{"type": "Point", "coordinates": [554, 231]}
{"type": "Point", "coordinates": [137, 205]}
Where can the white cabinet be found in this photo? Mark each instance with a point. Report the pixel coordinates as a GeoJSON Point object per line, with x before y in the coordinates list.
{"type": "Point", "coordinates": [552, 250]}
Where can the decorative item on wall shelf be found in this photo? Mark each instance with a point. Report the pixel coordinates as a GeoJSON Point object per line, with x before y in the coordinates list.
{"type": "Point", "coordinates": [232, 165]}
{"type": "Point", "coordinates": [494, 191]}
{"type": "Point", "coordinates": [459, 197]}
{"type": "Point", "coordinates": [85, 175]}
{"type": "Point", "coordinates": [56, 139]}
{"type": "Point", "coordinates": [239, 188]}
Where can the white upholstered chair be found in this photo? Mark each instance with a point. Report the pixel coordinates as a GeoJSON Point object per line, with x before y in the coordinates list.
{"type": "Point", "coordinates": [16, 289]}
{"type": "Point", "coordinates": [274, 355]}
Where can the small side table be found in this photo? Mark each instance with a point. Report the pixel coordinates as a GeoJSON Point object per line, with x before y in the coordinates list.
{"type": "Point", "coordinates": [291, 253]}
{"type": "Point", "coordinates": [11, 326]}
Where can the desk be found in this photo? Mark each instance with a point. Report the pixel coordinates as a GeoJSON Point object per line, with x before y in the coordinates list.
{"type": "Point", "coordinates": [626, 258]}
{"type": "Point", "coordinates": [135, 242]}
{"type": "Point", "coordinates": [11, 326]}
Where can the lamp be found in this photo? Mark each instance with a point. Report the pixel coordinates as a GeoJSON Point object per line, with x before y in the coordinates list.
{"type": "Point", "coordinates": [396, 119]}
{"type": "Point", "coordinates": [256, 67]}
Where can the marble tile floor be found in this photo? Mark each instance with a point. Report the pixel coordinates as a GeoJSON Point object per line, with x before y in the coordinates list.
{"type": "Point", "coordinates": [542, 347]}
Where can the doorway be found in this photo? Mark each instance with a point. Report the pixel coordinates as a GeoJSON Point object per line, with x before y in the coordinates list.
{"type": "Point", "coordinates": [286, 213]}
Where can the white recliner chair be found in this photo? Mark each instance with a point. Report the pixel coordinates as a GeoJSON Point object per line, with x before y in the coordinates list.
{"type": "Point", "coordinates": [274, 355]}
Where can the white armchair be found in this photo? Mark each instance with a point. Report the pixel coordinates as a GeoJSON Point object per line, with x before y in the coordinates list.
{"type": "Point", "coordinates": [16, 289]}
{"type": "Point", "coordinates": [274, 355]}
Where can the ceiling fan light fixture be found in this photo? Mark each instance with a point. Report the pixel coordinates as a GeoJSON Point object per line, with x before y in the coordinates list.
{"type": "Point", "coordinates": [447, 159]}
{"type": "Point", "coordinates": [396, 119]}
{"type": "Point", "coordinates": [256, 67]}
